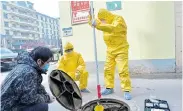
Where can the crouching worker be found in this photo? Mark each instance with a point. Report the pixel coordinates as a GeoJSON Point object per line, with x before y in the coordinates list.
{"type": "Point", "coordinates": [22, 90]}
{"type": "Point", "coordinates": [73, 64]}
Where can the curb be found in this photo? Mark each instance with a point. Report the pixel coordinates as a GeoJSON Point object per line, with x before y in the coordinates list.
{"type": "Point", "coordinates": [158, 76]}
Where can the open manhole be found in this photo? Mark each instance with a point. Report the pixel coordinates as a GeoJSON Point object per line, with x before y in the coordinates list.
{"type": "Point", "coordinates": [108, 104]}
{"type": "Point", "coordinates": [67, 93]}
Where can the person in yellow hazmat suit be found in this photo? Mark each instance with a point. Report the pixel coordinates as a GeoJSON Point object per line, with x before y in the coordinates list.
{"type": "Point", "coordinates": [73, 64]}
{"type": "Point", "coordinates": [115, 37]}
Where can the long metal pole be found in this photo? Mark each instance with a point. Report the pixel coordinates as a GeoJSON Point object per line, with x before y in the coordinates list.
{"type": "Point", "coordinates": [95, 51]}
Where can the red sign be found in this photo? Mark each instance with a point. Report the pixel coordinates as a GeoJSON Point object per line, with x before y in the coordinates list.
{"type": "Point", "coordinates": [80, 11]}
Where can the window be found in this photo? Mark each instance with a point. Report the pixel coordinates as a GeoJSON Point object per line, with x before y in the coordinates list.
{"type": "Point", "coordinates": [21, 3]}
{"type": "Point", "coordinates": [6, 24]}
{"type": "Point", "coordinates": [7, 32]}
{"type": "Point", "coordinates": [29, 28]}
{"type": "Point", "coordinates": [4, 7]}
{"type": "Point", "coordinates": [5, 2]}
{"type": "Point", "coordinates": [22, 12]}
{"type": "Point", "coordinates": [13, 9]}
{"type": "Point", "coordinates": [5, 15]}
{"type": "Point", "coordinates": [30, 6]}
{"type": "Point", "coordinates": [13, 2]}
{"type": "Point", "coordinates": [14, 25]}
{"type": "Point", "coordinates": [39, 17]}
{"type": "Point", "coordinates": [46, 31]}
{"type": "Point", "coordinates": [18, 33]}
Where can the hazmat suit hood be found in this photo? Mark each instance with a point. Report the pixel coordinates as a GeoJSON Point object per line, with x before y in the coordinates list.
{"type": "Point", "coordinates": [106, 15]}
{"type": "Point", "coordinates": [68, 46]}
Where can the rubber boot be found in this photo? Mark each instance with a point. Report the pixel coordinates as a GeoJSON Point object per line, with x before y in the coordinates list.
{"type": "Point", "coordinates": [85, 90]}
{"type": "Point", "coordinates": [107, 91]}
{"type": "Point", "coordinates": [127, 95]}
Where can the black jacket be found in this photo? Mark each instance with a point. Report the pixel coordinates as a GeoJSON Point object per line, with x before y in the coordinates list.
{"type": "Point", "coordinates": [22, 86]}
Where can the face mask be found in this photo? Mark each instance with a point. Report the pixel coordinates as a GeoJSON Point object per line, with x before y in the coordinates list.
{"type": "Point", "coordinates": [45, 67]}
{"type": "Point", "coordinates": [69, 53]}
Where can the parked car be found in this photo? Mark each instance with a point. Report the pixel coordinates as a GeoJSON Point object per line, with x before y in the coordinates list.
{"type": "Point", "coordinates": [29, 50]}
{"type": "Point", "coordinates": [7, 58]}
{"type": "Point", "coordinates": [18, 50]}
{"type": "Point", "coordinates": [56, 54]}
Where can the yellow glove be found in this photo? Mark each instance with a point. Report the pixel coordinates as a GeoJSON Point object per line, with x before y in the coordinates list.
{"type": "Point", "coordinates": [78, 75]}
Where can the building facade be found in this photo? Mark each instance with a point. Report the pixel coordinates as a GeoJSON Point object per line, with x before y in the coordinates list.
{"type": "Point", "coordinates": [49, 30]}
{"type": "Point", "coordinates": [152, 32]}
{"type": "Point", "coordinates": [19, 23]}
{"type": "Point", "coordinates": [21, 27]}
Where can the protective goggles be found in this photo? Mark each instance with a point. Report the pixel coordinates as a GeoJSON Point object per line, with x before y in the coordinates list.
{"type": "Point", "coordinates": [69, 50]}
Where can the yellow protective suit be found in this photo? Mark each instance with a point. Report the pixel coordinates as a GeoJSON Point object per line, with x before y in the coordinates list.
{"type": "Point", "coordinates": [115, 37]}
{"type": "Point", "coordinates": [72, 63]}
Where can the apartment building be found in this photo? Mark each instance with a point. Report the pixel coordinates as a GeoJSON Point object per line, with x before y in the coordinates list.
{"type": "Point", "coordinates": [23, 27]}
{"type": "Point", "coordinates": [49, 29]}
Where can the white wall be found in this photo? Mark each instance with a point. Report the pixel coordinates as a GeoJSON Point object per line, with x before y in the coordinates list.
{"type": "Point", "coordinates": [178, 28]}
{"type": "Point", "coordinates": [151, 33]}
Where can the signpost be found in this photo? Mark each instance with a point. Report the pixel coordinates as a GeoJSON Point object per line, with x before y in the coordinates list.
{"type": "Point", "coordinates": [114, 5]}
{"type": "Point", "coordinates": [67, 32]}
{"type": "Point", "coordinates": [79, 12]}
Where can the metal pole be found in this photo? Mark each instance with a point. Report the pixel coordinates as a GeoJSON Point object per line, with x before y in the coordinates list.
{"type": "Point", "coordinates": [95, 50]}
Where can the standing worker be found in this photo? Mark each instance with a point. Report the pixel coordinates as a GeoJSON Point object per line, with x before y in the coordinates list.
{"type": "Point", "coordinates": [115, 36]}
{"type": "Point", "coordinates": [73, 64]}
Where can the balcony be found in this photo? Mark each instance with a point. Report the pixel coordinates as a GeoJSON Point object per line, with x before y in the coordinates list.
{"type": "Point", "coordinates": [22, 15]}
{"type": "Point", "coordinates": [23, 37]}
{"type": "Point", "coordinates": [21, 7]}
{"type": "Point", "coordinates": [24, 30]}
{"type": "Point", "coordinates": [19, 35]}
{"type": "Point", "coordinates": [23, 22]}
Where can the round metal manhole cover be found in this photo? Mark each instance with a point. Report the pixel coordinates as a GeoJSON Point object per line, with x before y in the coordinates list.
{"type": "Point", "coordinates": [65, 90]}
{"type": "Point", "coordinates": [108, 104]}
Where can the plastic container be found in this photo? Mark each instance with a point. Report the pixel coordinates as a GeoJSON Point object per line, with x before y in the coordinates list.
{"type": "Point", "coordinates": [69, 96]}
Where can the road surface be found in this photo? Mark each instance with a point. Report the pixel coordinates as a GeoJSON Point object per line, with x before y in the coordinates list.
{"type": "Point", "coordinates": [165, 89]}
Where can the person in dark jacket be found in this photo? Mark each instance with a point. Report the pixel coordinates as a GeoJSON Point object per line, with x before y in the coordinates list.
{"type": "Point", "coordinates": [22, 90]}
